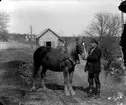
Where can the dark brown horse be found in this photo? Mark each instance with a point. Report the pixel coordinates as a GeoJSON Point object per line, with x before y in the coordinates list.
{"type": "Point", "coordinates": [57, 61]}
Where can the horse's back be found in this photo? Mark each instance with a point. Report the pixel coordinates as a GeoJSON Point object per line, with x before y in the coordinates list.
{"type": "Point", "coordinates": [40, 53]}
{"type": "Point", "coordinates": [49, 57]}
{"type": "Point", "coordinates": [53, 58]}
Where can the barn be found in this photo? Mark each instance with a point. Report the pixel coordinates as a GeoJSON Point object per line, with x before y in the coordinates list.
{"type": "Point", "coordinates": [49, 38]}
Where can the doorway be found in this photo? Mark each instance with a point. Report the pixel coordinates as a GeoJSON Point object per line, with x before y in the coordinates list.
{"type": "Point", "coordinates": [48, 43]}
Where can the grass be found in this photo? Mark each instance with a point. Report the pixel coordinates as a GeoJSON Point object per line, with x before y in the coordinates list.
{"type": "Point", "coordinates": [16, 54]}
{"type": "Point", "coordinates": [12, 81]}
{"type": "Point", "coordinates": [11, 57]}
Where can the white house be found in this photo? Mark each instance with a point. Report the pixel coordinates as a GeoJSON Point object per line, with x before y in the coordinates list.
{"type": "Point", "coordinates": [49, 38]}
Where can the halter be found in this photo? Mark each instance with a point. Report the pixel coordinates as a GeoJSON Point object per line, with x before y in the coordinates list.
{"type": "Point", "coordinates": [68, 57]}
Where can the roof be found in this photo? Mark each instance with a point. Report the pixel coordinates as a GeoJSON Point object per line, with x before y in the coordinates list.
{"type": "Point", "coordinates": [46, 30]}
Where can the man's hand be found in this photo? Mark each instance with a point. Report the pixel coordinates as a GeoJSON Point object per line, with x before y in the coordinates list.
{"type": "Point", "coordinates": [85, 70]}
{"type": "Point", "coordinates": [85, 56]}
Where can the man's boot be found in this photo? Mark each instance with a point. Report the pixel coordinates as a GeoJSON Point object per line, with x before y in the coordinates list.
{"type": "Point", "coordinates": [97, 91]}
{"type": "Point", "coordinates": [90, 94]}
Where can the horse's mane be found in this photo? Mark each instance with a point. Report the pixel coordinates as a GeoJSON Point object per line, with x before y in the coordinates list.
{"type": "Point", "coordinates": [71, 46]}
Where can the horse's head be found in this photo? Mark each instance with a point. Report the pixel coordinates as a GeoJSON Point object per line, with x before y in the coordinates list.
{"type": "Point", "coordinates": [75, 47]}
{"type": "Point", "coordinates": [81, 47]}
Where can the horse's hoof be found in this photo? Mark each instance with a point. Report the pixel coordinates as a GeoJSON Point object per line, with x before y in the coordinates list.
{"type": "Point", "coordinates": [73, 93]}
{"type": "Point", "coordinates": [67, 93]}
{"type": "Point", "coordinates": [44, 88]}
{"type": "Point", "coordinates": [40, 89]}
{"type": "Point", "coordinates": [33, 89]}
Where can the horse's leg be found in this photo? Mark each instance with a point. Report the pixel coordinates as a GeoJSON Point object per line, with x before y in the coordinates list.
{"type": "Point", "coordinates": [43, 75]}
{"type": "Point", "coordinates": [35, 71]}
{"type": "Point", "coordinates": [66, 81]}
{"type": "Point", "coordinates": [71, 72]}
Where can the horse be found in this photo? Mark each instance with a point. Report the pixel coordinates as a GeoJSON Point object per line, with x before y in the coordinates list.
{"type": "Point", "coordinates": [53, 59]}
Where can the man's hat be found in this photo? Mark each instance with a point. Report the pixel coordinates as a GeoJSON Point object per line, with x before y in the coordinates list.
{"type": "Point", "coordinates": [122, 6]}
{"type": "Point", "coordinates": [94, 41]}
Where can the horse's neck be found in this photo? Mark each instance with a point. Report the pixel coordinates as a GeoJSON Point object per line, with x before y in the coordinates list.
{"type": "Point", "coordinates": [72, 50]}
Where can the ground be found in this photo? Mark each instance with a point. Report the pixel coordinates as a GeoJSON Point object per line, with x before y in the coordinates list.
{"type": "Point", "coordinates": [14, 90]}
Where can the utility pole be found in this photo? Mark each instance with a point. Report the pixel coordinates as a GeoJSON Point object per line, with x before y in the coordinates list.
{"type": "Point", "coordinates": [31, 30]}
{"type": "Point", "coordinates": [31, 35]}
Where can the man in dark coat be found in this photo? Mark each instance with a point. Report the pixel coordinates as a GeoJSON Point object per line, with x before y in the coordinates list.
{"type": "Point", "coordinates": [93, 66]}
{"type": "Point", "coordinates": [123, 42]}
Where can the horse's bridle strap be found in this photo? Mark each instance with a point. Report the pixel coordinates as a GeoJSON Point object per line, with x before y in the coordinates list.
{"type": "Point", "coordinates": [69, 58]}
{"type": "Point", "coordinates": [64, 59]}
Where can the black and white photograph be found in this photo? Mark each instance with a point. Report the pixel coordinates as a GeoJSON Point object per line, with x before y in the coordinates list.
{"type": "Point", "coordinates": [62, 52]}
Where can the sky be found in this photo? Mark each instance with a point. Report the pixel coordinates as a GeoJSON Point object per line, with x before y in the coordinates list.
{"type": "Point", "coordinates": [65, 17]}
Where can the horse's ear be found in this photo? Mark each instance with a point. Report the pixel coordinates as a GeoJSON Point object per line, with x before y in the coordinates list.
{"type": "Point", "coordinates": [76, 39]}
{"type": "Point", "coordinates": [80, 39]}
{"type": "Point", "coordinates": [83, 38]}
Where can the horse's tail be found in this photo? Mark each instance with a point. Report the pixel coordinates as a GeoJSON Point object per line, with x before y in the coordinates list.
{"type": "Point", "coordinates": [36, 63]}
{"type": "Point", "coordinates": [33, 70]}
{"type": "Point", "coordinates": [38, 55]}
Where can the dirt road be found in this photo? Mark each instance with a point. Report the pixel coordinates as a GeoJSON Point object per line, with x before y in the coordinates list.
{"type": "Point", "coordinates": [15, 91]}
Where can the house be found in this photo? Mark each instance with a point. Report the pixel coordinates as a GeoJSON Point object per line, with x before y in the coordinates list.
{"type": "Point", "coordinates": [49, 38]}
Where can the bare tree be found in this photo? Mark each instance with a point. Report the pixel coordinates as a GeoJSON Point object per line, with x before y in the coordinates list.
{"type": "Point", "coordinates": [107, 27]}
{"type": "Point", "coordinates": [105, 24]}
{"type": "Point", "coordinates": [4, 19]}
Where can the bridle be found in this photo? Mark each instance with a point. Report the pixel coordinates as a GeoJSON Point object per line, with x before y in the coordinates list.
{"type": "Point", "coordinates": [69, 57]}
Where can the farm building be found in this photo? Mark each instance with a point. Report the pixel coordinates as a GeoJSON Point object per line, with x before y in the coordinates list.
{"type": "Point", "coordinates": [49, 38]}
